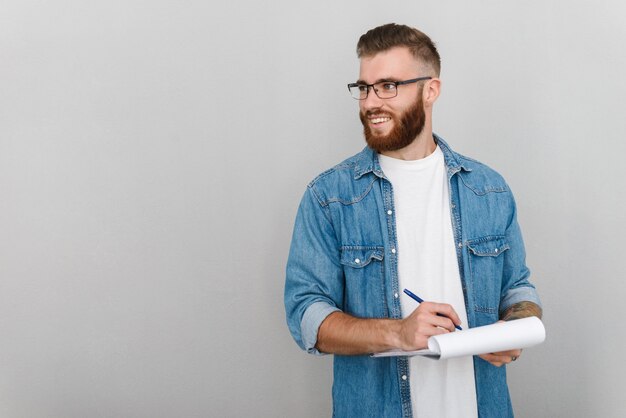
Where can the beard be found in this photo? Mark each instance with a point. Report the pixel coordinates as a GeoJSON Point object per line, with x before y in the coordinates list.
{"type": "Point", "coordinates": [406, 128]}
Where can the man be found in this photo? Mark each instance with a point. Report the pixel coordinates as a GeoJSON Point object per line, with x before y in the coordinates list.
{"type": "Point", "coordinates": [406, 212]}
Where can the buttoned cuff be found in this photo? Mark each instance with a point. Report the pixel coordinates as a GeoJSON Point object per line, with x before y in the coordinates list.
{"type": "Point", "coordinates": [517, 295]}
{"type": "Point", "coordinates": [311, 321]}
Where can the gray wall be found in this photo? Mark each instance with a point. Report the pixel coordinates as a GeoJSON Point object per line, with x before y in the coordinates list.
{"type": "Point", "coordinates": [153, 153]}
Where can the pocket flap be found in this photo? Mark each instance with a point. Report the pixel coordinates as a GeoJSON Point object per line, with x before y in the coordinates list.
{"type": "Point", "coordinates": [491, 246]}
{"type": "Point", "coordinates": [359, 257]}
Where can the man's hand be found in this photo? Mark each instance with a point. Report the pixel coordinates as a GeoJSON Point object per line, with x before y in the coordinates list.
{"type": "Point", "coordinates": [516, 311]}
{"type": "Point", "coordinates": [502, 357]}
{"type": "Point", "coordinates": [424, 322]}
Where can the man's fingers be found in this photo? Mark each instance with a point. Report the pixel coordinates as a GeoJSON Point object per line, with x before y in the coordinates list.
{"type": "Point", "coordinates": [430, 324]}
{"type": "Point", "coordinates": [509, 353]}
{"type": "Point", "coordinates": [495, 360]}
{"type": "Point", "coordinates": [502, 357]}
{"type": "Point", "coordinates": [424, 323]}
{"type": "Point", "coordinates": [446, 311]}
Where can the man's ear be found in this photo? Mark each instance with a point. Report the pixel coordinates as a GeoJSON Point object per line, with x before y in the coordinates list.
{"type": "Point", "coordinates": [431, 90]}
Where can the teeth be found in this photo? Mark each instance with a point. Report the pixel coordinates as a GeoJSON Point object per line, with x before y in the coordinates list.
{"type": "Point", "coordinates": [380, 120]}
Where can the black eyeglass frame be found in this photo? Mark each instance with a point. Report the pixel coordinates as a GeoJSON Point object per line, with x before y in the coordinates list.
{"type": "Point", "coordinates": [397, 83]}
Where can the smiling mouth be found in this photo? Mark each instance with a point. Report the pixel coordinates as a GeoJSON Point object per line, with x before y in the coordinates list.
{"type": "Point", "coordinates": [379, 120]}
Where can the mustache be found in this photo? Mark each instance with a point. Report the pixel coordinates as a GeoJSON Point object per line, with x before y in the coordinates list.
{"type": "Point", "coordinates": [369, 113]}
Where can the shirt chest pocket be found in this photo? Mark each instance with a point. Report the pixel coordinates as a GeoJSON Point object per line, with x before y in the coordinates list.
{"type": "Point", "coordinates": [486, 261]}
{"type": "Point", "coordinates": [364, 293]}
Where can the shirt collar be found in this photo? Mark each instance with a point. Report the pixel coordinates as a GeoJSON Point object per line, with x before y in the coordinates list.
{"type": "Point", "coordinates": [367, 160]}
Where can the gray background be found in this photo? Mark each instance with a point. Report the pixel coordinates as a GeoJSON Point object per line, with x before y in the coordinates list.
{"type": "Point", "coordinates": [153, 154]}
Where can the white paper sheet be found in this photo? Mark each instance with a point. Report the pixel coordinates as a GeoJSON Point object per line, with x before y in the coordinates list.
{"type": "Point", "coordinates": [501, 336]}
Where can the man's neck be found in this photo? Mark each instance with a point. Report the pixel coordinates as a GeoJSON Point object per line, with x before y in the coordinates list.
{"type": "Point", "coordinates": [423, 145]}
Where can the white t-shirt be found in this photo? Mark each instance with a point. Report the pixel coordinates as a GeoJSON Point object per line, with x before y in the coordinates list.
{"type": "Point", "coordinates": [428, 266]}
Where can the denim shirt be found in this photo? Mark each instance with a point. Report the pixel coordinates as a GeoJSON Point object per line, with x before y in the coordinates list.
{"type": "Point", "coordinates": [343, 257]}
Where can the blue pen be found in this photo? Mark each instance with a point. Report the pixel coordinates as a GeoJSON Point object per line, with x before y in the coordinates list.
{"type": "Point", "coordinates": [420, 300]}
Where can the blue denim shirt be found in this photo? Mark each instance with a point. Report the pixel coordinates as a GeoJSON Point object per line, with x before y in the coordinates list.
{"type": "Point", "coordinates": [347, 214]}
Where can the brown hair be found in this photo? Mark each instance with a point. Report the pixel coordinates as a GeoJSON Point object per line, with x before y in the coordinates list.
{"type": "Point", "coordinates": [391, 35]}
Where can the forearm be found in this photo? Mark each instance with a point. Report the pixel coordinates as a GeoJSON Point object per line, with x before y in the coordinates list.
{"type": "Point", "coordinates": [521, 310]}
{"type": "Point", "coordinates": [344, 334]}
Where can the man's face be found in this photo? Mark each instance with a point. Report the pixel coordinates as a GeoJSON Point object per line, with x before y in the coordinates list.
{"type": "Point", "coordinates": [391, 124]}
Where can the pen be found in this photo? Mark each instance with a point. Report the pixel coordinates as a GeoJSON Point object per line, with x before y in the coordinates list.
{"type": "Point", "coordinates": [420, 300]}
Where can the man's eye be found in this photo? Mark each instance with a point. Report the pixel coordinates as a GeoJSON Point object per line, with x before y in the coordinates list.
{"type": "Point", "coordinates": [362, 88]}
{"type": "Point", "coordinates": [389, 86]}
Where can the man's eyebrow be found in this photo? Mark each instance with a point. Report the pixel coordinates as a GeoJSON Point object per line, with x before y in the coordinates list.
{"type": "Point", "coordinates": [380, 80]}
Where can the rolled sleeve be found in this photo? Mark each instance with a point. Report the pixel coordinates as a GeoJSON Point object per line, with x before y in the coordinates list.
{"type": "Point", "coordinates": [311, 321]}
{"type": "Point", "coordinates": [517, 295]}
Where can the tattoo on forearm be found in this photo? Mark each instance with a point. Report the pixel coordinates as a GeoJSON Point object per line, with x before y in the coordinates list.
{"type": "Point", "coordinates": [522, 310]}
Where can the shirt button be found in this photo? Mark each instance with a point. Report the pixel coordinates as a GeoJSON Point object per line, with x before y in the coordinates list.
{"type": "Point", "coordinates": [389, 212]}
{"type": "Point", "coordinates": [496, 250]}
{"type": "Point", "coordinates": [460, 245]}
{"type": "Point", "coordinates": [395, 295]}
{"type": "Point", "coordinates": [393, 250]}
{"type": "Point", "coordinates": [356, 260]}
{"type": "Point", "coordinates": [403, 377]}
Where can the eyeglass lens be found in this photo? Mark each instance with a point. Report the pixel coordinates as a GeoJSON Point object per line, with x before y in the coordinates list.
{"type": "Point", "coordinates": [384, 90]}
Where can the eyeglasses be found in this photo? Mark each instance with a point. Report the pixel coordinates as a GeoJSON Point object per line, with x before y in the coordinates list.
{"type": "Point", "coordinates": [383, 89]}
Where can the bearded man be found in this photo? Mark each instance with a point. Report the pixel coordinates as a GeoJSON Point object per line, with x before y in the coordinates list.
{"type": "Point", "coordinates": [407, 212]}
